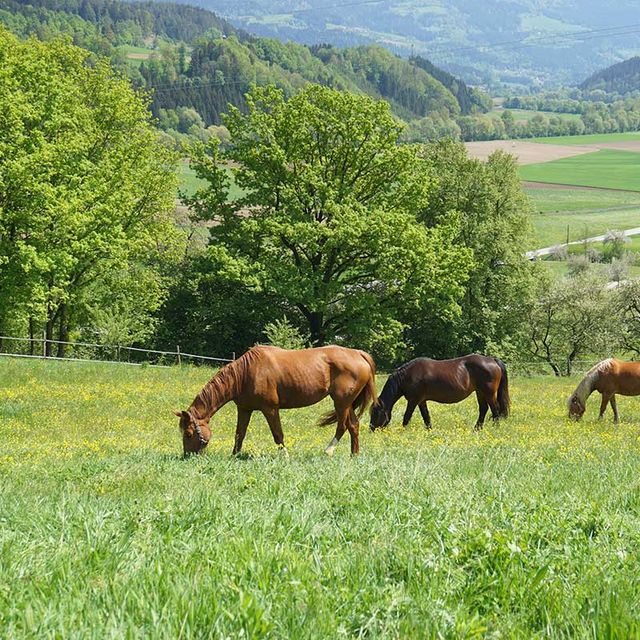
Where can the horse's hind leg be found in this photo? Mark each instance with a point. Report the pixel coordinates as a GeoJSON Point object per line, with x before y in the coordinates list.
{"type": "Point", "coordinates": [424, 412]}
{"type": "Point", "coordinates": [483, 407]}
{"type": "Point", "coordinates": [614, 406]}
{"type": "Point", "coordinates": [354, 432]}
{"type": "Point", "coordinates": [341, 427]}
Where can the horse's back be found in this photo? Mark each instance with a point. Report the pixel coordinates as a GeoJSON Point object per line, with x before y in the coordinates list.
{"type": "Point", "coordinates": [298, 378]}
{"type": "Point", "coordinates": [622, 378]}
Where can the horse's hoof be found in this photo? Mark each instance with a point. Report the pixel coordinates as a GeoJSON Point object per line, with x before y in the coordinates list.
{"type": "Point", "coordinates": [329, 451]}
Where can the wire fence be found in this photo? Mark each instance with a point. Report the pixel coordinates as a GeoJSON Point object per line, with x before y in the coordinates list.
{"type": "Point", "coordinates": [43, 348]}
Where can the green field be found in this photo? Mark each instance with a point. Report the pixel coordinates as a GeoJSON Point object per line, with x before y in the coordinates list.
{"type": "Point", "coordinates": [565, 200]}
{"type": "Point", "coordinates": [594, 138]}
{"type": "Point", "coordinates": [190, 183]}
{"type": "Point", "coordinates": [528, 529]}
{"type": "Point", "coordinates": [607, 168]}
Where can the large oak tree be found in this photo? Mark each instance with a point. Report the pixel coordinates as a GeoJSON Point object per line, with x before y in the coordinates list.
{"type": "Point", "coordinates": [327, 225]}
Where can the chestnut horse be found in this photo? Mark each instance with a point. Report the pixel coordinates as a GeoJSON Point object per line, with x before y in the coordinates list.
{"type": "Point", "coordinates": [446, 381]}
{"type": "Point", "coordinates": [609, 377]}
{"type": "Point", "coordinates": [268, 379]}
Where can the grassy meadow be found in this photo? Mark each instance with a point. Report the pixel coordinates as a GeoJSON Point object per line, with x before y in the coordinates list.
{"type": "Point", "coordinates": [555, 200]}
{"type": "Point", "coordinates": [530, 528]}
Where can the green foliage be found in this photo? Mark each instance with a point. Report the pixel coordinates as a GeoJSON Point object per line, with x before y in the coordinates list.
{"type": "Point", "coordinates": [495, 226]}
{"type": "Point", "coordinates": [281, 333]}
{"type": "Point", "coordinates": [572, 319]}
{"type": "Point", "coordinates": [327, 225]}
{"type": "Point", "coordinates": [84, 190]}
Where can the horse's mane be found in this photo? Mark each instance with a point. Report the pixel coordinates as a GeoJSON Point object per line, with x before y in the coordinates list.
{"type": "Point", "coordinates": [395, 380]}
{"type": "Point", "coordinates": [584, 389]}
{"type": "Point", "coordinates": [225, 385]}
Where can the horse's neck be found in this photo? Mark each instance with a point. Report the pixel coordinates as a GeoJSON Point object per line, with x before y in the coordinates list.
{"type": "Point", "coordinates": [585, 388]}
{"type": "Point", "coordinates": [390, 395]}
{"type": "Point", "coordinates": [222, 388]}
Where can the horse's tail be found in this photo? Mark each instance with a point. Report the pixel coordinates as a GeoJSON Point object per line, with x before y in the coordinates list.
{"type": "Point", "coordinates": [504, 401]}
{"type": "Point", "coordinates": [366, 396]}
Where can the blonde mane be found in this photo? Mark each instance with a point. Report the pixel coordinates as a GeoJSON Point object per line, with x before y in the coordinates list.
{"type": "Point", "coordinates": [224, 386]}
{"type": "Point", "coordinates": [585, 388]}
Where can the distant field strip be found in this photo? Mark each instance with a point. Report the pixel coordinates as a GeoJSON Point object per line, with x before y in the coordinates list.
{"type": "Point", "coordinates": [561, 200]}
{"type": "Point", "coordinates": [591, 139]}
{"type": "Point", "coordinates": [551, 228]}
{"type": "Point", "coordinates": [607, 169]}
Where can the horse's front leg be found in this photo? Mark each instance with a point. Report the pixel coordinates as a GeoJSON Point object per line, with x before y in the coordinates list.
{"type": "Point", "coordinates": [244, 415]}
{"type": "Point", "coordinates": [603, 405]}
{"type": "Point", "coordinates": [273, 418]}
{"type": "Point", "coordinates": [411, 407]}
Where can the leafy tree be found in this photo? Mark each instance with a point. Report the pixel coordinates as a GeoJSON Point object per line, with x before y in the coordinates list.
{"type": "Point", "coordinates": [494, 225]}
{"type": "Point", "coordinates": [85, 186]}
{"type": "Point", "coordinates": [572, 319]}
{"type": "Point", "coordinates": [328, 224]}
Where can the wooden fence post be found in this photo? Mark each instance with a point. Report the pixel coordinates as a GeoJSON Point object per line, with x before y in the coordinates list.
{"type": "Point", "coordinates": [44, 343]}
{"type": "Point", "coordinates": [178, 352]}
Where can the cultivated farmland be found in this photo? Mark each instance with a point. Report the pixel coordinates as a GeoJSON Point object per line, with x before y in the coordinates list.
{"type": "Point", "coordinates": [605, 168]}
{"type": "Point", "coordinates": [528, 529]}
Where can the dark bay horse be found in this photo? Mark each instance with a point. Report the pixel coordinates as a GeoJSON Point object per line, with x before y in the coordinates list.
{"type": "Point", "coordinates": [446, 381]}
{"type": "Point", "coordinates": [609, 377]}
{"type": "Point", "coordinates": [268, 379]}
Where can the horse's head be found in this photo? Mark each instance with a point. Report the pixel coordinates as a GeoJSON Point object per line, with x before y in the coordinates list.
{"type": "Point", "coordinates": [380, 417]}
{"type": "Point", "coordinates": [195, 433]}
{"type": "Point", "coordinates": [576, 408]}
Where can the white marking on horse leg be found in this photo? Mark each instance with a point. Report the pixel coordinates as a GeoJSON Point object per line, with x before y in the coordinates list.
{"type": "Point", "coordinates": [331, 447]}
{"type": "Point", "coordinates": [283, 451]}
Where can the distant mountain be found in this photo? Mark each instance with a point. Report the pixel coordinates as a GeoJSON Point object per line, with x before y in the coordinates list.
{"type": "Point", "coordinates": [621, 78]}
{"type": "Point", "coordinates": [521, 42]}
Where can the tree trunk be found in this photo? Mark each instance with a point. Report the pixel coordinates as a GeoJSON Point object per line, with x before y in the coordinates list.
{"type": "Point", "coordinates": [316, 329]}
{"type": "Point", "coordinates": [48, 335]}
{"type": "Point", "coordinates": [63, 334]}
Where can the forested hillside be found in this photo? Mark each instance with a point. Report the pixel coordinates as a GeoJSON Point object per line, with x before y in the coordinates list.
{"type": "Point", "coordinates": [191, 59]}
{"type": "Point", "coordinates": [622, 78]}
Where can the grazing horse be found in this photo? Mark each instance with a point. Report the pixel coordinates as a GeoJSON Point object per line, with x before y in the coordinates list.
{"type": "Point", "coordinates": [609, 377]}
{"type": "Point", "coordinates": [268, 379]}
{"type": "Point", "coordinates": [446, 381]}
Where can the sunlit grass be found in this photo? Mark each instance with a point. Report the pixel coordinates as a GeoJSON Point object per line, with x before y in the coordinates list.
{"type": "Point", "coordinates": [528, 529]}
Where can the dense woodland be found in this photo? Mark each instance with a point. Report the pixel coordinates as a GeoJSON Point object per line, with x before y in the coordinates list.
{"type": "Point", "coordinates": [622, 78]}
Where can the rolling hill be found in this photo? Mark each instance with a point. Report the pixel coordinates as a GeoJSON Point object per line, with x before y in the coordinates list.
{"type": "Point", "coordinates": [622, 78]}
{"type": "Point", "coordinates": [206, 64]}
{"type": "Point", "coordinates": [543, 42]}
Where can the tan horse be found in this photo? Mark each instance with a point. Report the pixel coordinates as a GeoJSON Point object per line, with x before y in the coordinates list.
{"type": "Point", "coordinates": [268, 379]}
{"type": "Point", "coordinates": [609, 377]}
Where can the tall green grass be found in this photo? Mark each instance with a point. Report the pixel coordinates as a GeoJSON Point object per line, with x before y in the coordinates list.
{"type": "Point", "coordinates": [528, 529]}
